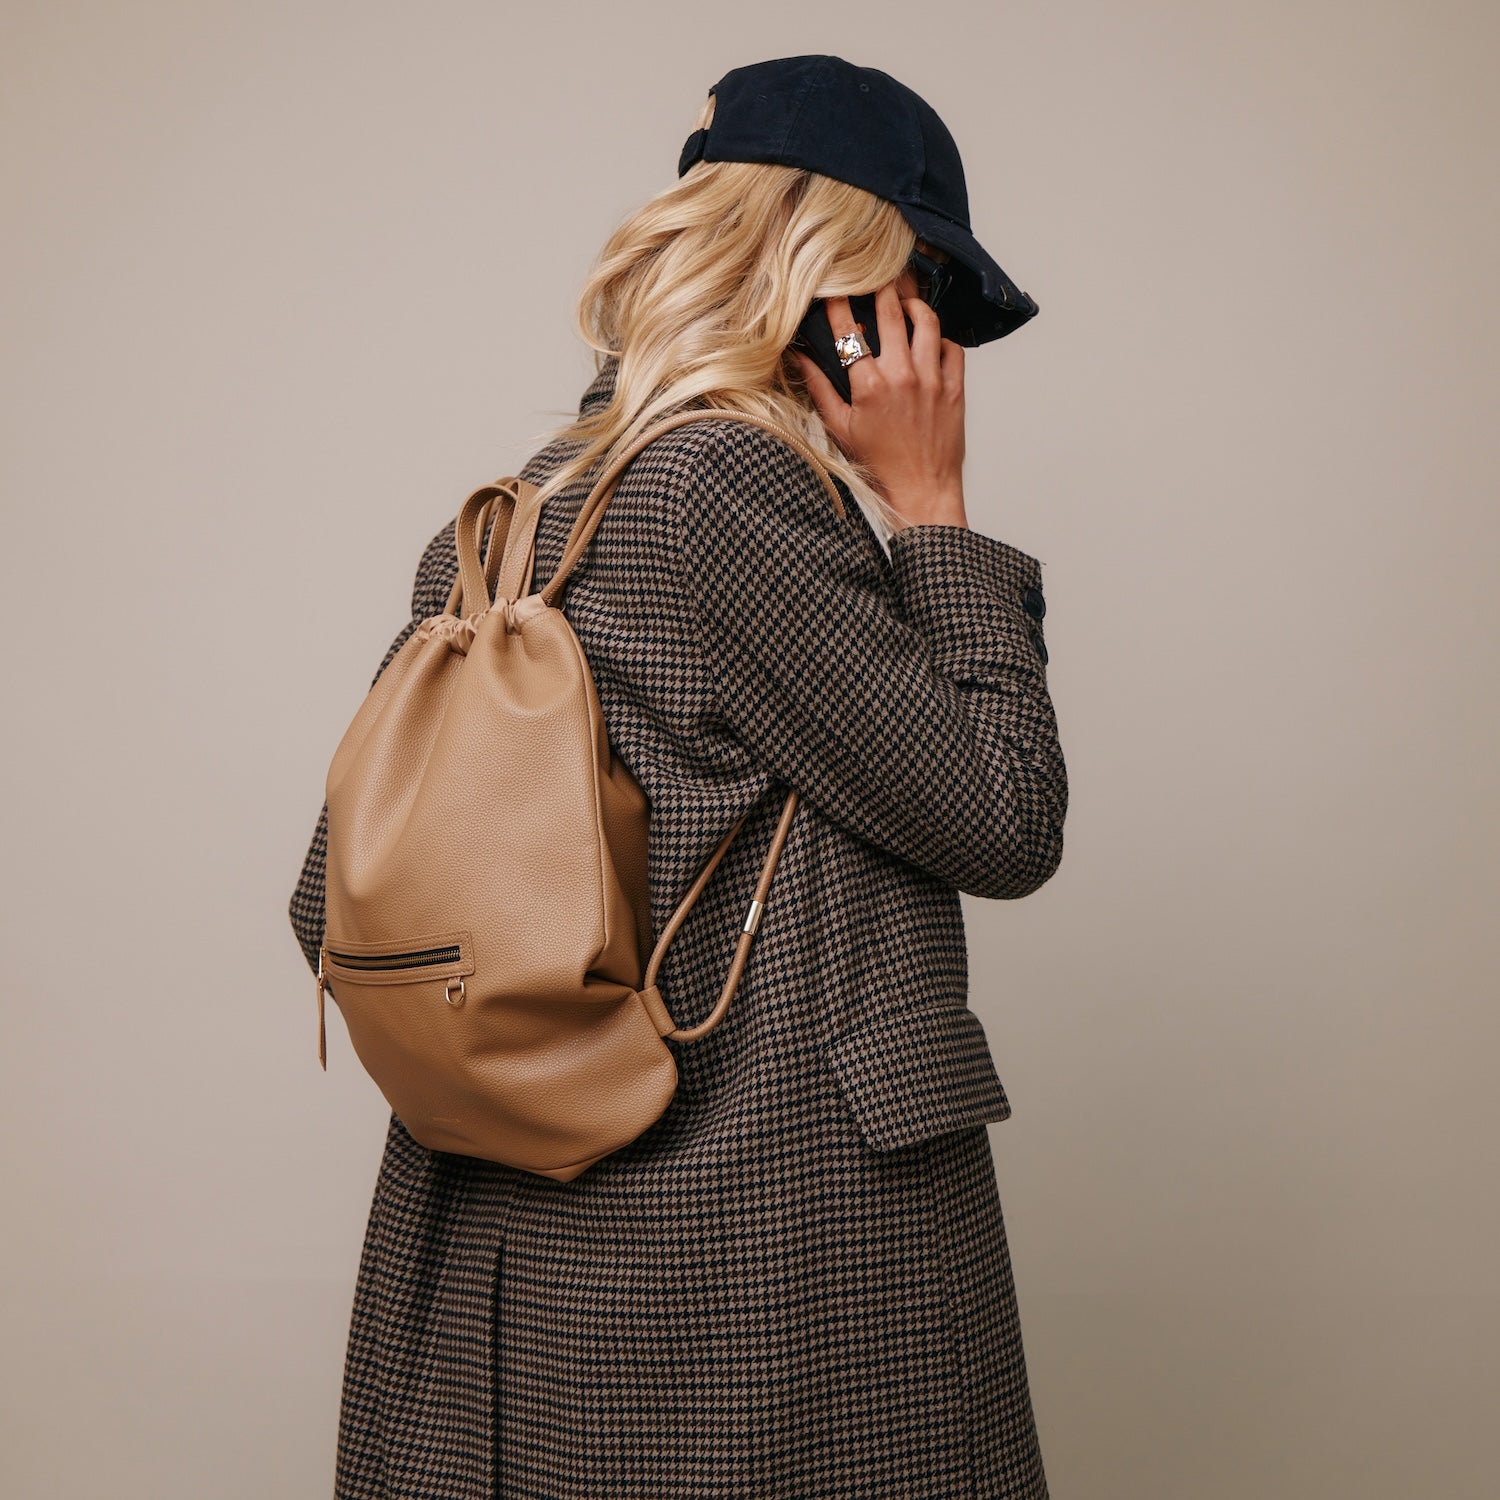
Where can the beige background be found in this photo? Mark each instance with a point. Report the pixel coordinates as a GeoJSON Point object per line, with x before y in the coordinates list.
{"type": "Point", "coordinates": [284, 282]}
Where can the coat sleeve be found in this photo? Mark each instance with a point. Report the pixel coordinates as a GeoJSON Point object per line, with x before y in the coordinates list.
{"type": "Point", "coordinates": [435, 574]}
{"type": "Point", "coordinates": [910, 705]}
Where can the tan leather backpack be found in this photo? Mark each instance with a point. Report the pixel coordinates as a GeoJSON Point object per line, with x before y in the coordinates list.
{"type": "Point", "coordinates": [487, 916]}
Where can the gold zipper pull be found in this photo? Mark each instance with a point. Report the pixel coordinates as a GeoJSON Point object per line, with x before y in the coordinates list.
{"type": "Point", "coordinates": [322, 1029]}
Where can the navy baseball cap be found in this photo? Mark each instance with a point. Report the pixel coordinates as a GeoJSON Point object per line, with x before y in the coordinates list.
{"type": "Point", "coordinates": [861, 126]}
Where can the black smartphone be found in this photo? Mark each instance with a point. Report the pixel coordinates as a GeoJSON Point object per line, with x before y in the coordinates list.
{"type": "Point", "coordinates": [815, 338]}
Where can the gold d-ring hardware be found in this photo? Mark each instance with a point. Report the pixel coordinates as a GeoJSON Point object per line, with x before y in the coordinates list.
{"type": "Point", "coordinates": [448, 992]}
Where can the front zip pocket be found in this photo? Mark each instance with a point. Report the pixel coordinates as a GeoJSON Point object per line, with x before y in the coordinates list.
{"type": "Point", "coordinates": [420, 958]}
{"type": "Point", "coordinates": [443, 957]}
{"type": "Point", "coordinates": [400, 961]}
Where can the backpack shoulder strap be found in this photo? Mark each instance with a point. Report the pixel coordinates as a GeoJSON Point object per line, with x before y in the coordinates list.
{"type": "Point", "coordinates": [474, 584]}
{"type": "Point", "coordinates": [583, 529]}
{"type": "Point", "coordinates": [652, 996]}
{"type": "Point", "coordinates": [513, 578]}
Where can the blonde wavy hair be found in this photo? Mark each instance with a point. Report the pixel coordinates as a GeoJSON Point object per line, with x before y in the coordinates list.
{"type": "Point", "coordinates": [699, 292]}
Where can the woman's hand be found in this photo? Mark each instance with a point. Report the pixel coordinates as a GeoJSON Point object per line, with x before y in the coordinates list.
{"type": "Point", "coordinates": [906, 421]}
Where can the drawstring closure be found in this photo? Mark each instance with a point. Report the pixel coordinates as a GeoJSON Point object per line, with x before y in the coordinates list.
{"type": "Point", "coordinates": [459, 630]}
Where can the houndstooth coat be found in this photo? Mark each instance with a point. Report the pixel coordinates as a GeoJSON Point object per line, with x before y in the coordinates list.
{"type": "Point", "coordinates": [796, 1283]}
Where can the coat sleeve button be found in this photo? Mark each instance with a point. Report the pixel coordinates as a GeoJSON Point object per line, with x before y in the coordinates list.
{"type": "Point", "coordinates": [1033, 603]}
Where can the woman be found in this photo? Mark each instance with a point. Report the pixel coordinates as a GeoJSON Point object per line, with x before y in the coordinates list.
{"type": "Point", "coordinates": [796, 1283]}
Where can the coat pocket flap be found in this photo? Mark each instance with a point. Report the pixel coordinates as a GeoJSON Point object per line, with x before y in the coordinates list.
{"type": "Point", "coordinates": [918, 1073]}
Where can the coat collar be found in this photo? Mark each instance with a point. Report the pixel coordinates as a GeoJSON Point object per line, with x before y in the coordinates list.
{"type": "Point", "coordinates": [601, 389]}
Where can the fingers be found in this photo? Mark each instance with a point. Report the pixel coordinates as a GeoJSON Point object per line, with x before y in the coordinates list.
{"type": "Point", "coordinates": [895, 353]}
{"type": "Point", "coordinates": [926, 341]}
{"type": "Point", "coordinates": [926, 359]}
{"type": "Point", "coordinates": [841, 320]}
{"type": "Point", "coordinates": [905, 416]}
{"type": "Point", "coordinates": [953, 365]}
{"type": "Point", "coordinates": [840, 315]}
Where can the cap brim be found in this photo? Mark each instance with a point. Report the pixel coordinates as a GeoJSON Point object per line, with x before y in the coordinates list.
{"type": "Point", "coordinates": [982, 303]}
